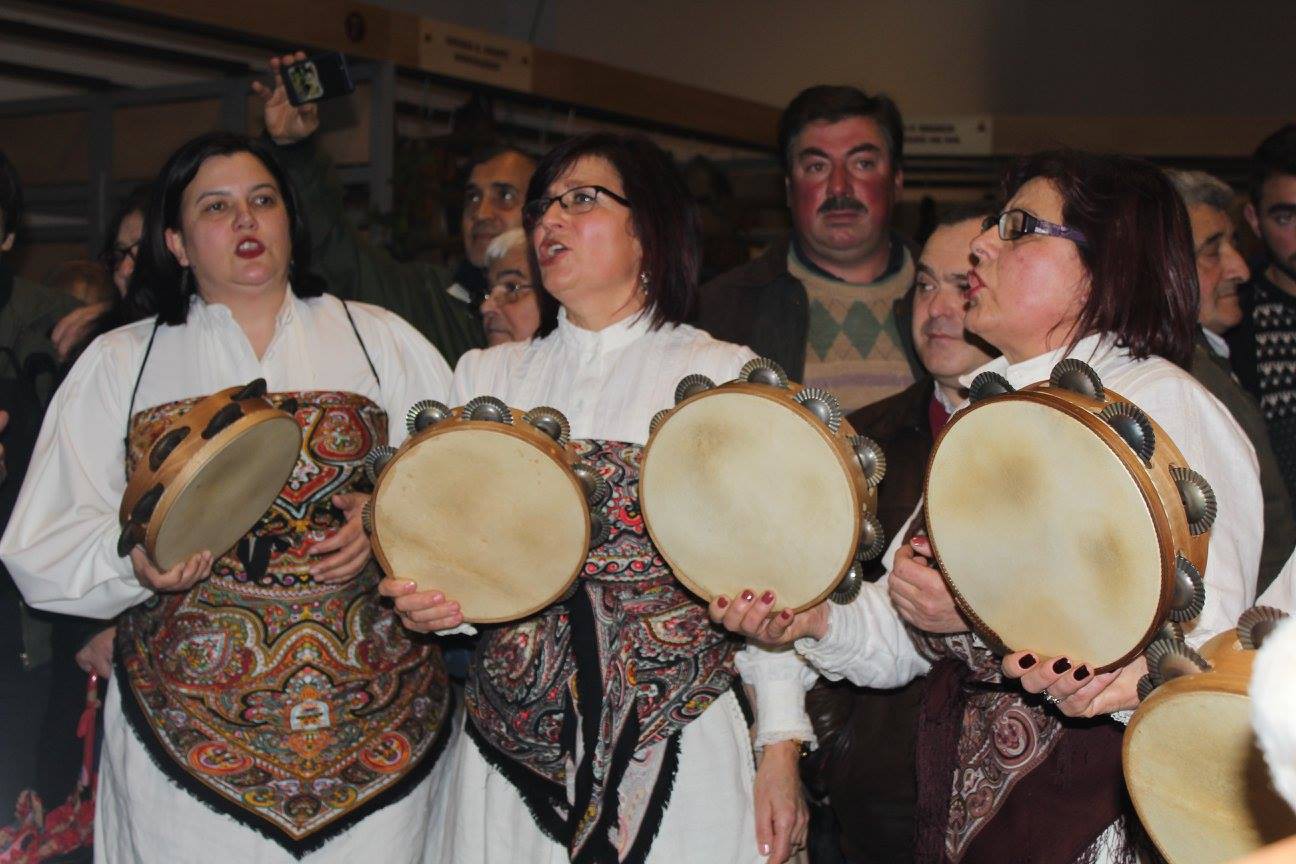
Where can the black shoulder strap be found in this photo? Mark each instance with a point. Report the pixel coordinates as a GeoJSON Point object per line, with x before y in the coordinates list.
{"type": "Point", "coordinates": [139, 376]}
{"type": "Point", "coordinates": [356, 331]}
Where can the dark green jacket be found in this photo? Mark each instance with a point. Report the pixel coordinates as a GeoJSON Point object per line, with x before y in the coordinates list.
{"type": "Point", "coordinates": [28, 312]}
{"type": "Point", "coordinates": [1215, 374]}
{"type": "Point", "coordinates": [355, 270]}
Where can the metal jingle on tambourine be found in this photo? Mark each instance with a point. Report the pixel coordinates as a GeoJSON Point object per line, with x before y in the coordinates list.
{"type": "Point", "coordinates": [142, 512]}
{"type": "Point", "coordinates": [1169, 659]}
{"type": "Point", "coordinates": [1169, 630]}
{"type": "Point", "coordinates": [1133, 426]}
{"type": "Point", "coordinates": [872, 539]}
{"type": "Point", "coordinates": [1078, 377]}
{"type": "Point", "coordinates": [130, 537]}
{"type": "Point", "coordinates": [849, 586]}
{"type": "Point", "coordinates": [988, 384]}
{"type": "Point", "coordinates": [366, 516]}
{"type": "Point", "coordinates": [822, 405]}
{"type": "Point", "coordinates": [1255, 625]}
{"type": "Point", "coordinates": [762, 370]}
{"type": "Point", "coordinates": [289, 406]}
{"type": "Point", "coordinates": [1198, 498]}
{"type": "Point", "coordinates": [551, 422]}
{"type": "Point", "coordinates": [424, 414]}
{"type": "Point", "coordinates": [377, 460]}
{"type": "Point", "coordinates": [222, 420]}
{"type": "Point", "coordinates": [657, 420]}
{"type": "Point", "coordinates": [163, 447]}
{"type": "Point", "coordinates": [570, 592]}
{"type": "Point", "coordinates": [600, 531]}
{"type": "Point", "coordinates": [597, 490]}
{"type": "Point", "coordinates": [1188, 596]}
{"type": "Point", "coordinates": [1145, 687]}
{"type": "Point", "coordinates": [489, 409]}
{"type": "Point", "coordinates": [691, 385]}
{"type": "Point", "coordinates": [251, 390]}
{"type": "Point", "coordinates": [871, 459]}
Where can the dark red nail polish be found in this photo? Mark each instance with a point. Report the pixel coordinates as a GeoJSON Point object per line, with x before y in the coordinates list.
{"type": "Point", "coordinates": [786, 614]}
{"type": "Point", "coordinates": [1061, 665]}
{"type": "Point", "coordinates": [767, 598]}
{"type": "Point", "coordinates": [748, 596]}
{"type": "Point", "coordinates": [722, 602]}
{"type": "Point", "coordinates": [1027, 661]}
{"type": "Point", "coordinates": [1082, 673]}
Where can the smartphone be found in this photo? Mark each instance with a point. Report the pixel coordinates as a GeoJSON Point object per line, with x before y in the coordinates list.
{"type": "Point", "coordinates": [323, 76]}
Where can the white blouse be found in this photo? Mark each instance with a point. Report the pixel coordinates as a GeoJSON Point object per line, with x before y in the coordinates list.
{"type": "Point", "coordinates": [61, 542]}
{"type": "Point", "coordinates": [609, 384]}
{"type": "Point", "coordinates": [868, 643]}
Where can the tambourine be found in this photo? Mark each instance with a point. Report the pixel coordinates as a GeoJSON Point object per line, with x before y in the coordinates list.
{"type": "Point", "coordinates": [1198, 781]}
{"type": "Point", "coordinates": [209, 477]}
{"type": "Point", "coordinates": [485, 503]}
{"type": "Point", "coordinates": [1064, 519]}
{"type": "Point", "coordinates": [759, 483]}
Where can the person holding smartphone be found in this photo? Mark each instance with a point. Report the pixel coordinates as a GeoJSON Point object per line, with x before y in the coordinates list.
{"type": "Point", "coordinates": [441, 303]}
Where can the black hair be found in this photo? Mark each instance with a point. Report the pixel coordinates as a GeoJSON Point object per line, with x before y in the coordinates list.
{"type": "Point", "coordinates": [489, 152]}
{"type": "Point", "coordinates": [160, 286]}
{"type": "Point", "coordinates": [1275, 155]}
{"type": "Point", "coordinates": [135, 202]}
{"type": "Point", "coordinates": [11, 198]}
{"type": "Point", "coordinates": [666, 220]}
{"type": "Point", "coordinates": [831, 103]}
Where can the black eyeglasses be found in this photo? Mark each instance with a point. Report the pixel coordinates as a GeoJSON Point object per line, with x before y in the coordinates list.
{"type": "Point", "coordinates": [1016, 224]}
{"type": "Point", "coordinates": [113, 258]}
{"type": "Point", "coordinates": [578, 200]}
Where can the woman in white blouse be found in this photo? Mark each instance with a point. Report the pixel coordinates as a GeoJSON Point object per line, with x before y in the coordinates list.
{"type": "Point", "coordinates": [624, 739]}
{"type": "Point", "coordinates": [1090, 259]}
{"type": "Point", "coordinates": [267, 707]}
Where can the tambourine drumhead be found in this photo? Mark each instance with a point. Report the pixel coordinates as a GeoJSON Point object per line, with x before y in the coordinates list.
{"type": "Point", "coordinates": [480, 513]}
{"type": "Point", "coordinates": [1195, 774]}
{"type": "Point", "coordinates": [224, 490]}
{"type": "Point", "coordinates": [741, 490]}
{"type": "Point", "coordinates": [1082, 574]}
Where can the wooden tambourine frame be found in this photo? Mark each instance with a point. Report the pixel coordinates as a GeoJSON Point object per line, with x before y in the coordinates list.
{"type": "Point", "coordinates": [1173, 809]}
{"type": "Point", "coordinates": [863, 497]}
{"type": "Point", "coordinates": [462, 590]}
{"type": "Point", "coordinates": [1153, 480]}
{"type": "Point", "coordinates": [263, 443]}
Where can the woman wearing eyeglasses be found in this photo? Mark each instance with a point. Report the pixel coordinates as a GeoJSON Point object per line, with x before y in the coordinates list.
{"type": "Point", "coordinates": [1092, 259]}
{"type": "Point", "coordinates": [609, 727]}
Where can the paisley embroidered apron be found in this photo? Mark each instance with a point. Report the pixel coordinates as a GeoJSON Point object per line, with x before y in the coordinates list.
{"type": "Point", "coordinates": [587, 699]}
{"type": "Point", "coordinates": [296, 707]}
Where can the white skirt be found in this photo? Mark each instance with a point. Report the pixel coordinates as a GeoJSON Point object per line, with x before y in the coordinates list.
{"type": "Point", "coordinates": [710, 818]}
{"type": "Point", "coordinates": [142, 816]}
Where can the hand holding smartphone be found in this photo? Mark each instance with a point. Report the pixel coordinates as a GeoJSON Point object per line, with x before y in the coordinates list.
{"type": "Point", "coordinates": [324, 76]}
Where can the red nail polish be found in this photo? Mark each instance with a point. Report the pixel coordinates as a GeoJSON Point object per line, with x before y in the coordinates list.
{"type": "Point", "coordinates": [767, 598]}
{"type": "Point", "coordinates": [786, 614]}
{"type": "Point", "coordinates": [748, 596]}
{"type": "Point", "coordinates": [722, 602]}
{"type": "Point", "coordinates": [1061, 665]}
{"type": "Point", "coordinates": [1027, 661]}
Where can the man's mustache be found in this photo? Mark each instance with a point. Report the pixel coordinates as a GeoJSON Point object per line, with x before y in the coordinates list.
{"type": "Point", "coordinates": [842, 202]}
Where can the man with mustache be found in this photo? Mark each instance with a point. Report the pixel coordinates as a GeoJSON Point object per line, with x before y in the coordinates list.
{"type": "Point", "coordinates": [442, 304]}
{"type": "Point", "coordinates": [865, 761]}
{"type": "Point", "coordinates": [820, 302]}
{"type": "Point", "coordinates": [1220, 272]}
{"type": "Point", "coordinates": [1263, 346]}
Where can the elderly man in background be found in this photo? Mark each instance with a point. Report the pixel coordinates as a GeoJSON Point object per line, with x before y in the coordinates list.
{"type": "Point", "coordinates": [510, 311]}
{"type": "Point", "coordinates": [865, 763]}
{"type": "Point", "coordinates": [820, 302]}
{"type": "Point", "coordinates": [442, 304]}
{"type": "Point", "coordinates": [1221, 271]}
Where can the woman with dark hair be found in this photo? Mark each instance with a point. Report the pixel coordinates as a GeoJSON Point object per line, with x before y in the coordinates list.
{"type": "Point", "coordinates": [608, 727]}
{"type": "Point", "coordinates": [266, 702]}
{"type": "Point", "coordinates": [1091, 258]}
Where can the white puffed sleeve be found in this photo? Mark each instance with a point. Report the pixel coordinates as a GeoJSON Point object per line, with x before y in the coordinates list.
{"type": "Point", "coordinates": [61, 541]}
